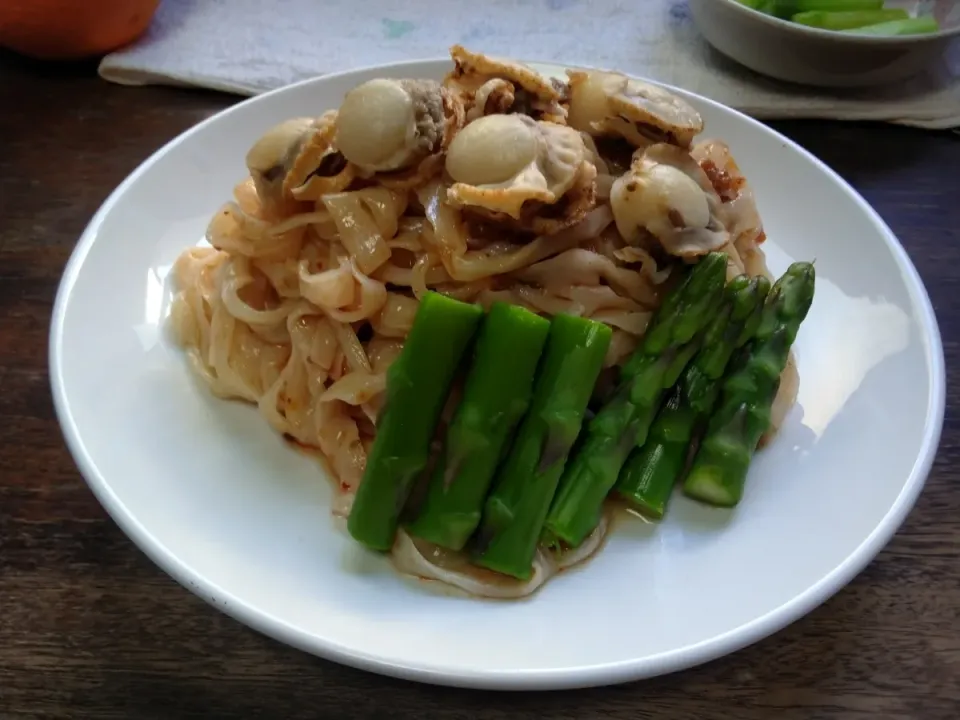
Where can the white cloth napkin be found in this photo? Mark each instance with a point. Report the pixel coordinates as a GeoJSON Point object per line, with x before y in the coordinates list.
{"type": "Point", "coordinates": [250, 46]}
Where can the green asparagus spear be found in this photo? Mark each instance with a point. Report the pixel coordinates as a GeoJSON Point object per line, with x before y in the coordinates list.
{"type": "Point", "coordinates": [495, 397]}
{"type": "Point", "coordinates": [650, 472]}
{"type": "Point", "coordinates": [788, 8]}
{"type": "Point", "coordinates": [720, 467]}
{"type": "Point", "coordinates": [623, 422]}
{"type": "Point", "coordinates": [848, 20]}
{"type": "Point", "coordinates": [417, 386]}
{"type": "Point", "coordinates": [911, 26]}
{"type": "Point", "coordinates": [680, 316]}
{"type": "Point", "coordinates": [513, 513]}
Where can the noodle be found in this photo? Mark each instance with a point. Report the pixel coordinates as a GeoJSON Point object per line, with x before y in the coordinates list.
{"type": "Point", "coordinates": [303, 300]}
{"type": "Point", "coordinates": [364, 220]}
{"type": "Point", "coordinates": [411, 558]}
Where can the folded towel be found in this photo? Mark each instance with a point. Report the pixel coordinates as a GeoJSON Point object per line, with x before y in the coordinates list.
{"type": "Point", "coordinates": [250, 46]}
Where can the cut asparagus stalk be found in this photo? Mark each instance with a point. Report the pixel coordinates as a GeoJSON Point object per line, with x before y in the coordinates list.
{"type": "Point", "coordinates": [911, 26]}
{"type": "Point", "coordinates": [720, 467]}
{"type": "Point", "coordinates": [417, 386]}
{"type": "Point", "coordinates": [680, 316]}
{"type": "Point", "coordinates": [848, 20]}
{"type": "Point", "coordinates": [513, 513]}
{"type": "Point", "coordinates": [495, 397]}
{"type": "Point", "coordinates": [788, 8]}
{"type": "Point", "coordinates": [648, 477]}
{"type": "Point", "coordinates": [624, 421]}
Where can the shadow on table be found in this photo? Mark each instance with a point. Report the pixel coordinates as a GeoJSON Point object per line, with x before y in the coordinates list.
{"type": "Point", "coordinates": [870, 160]}
{"type": "Point", "coordinates": [267, 680]}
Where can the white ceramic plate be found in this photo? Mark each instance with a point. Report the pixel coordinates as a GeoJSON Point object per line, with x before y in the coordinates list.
{"type": "Point", "coordinates": [221, 503]}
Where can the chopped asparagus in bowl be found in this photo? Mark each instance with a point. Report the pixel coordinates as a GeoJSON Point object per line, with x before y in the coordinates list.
{"type": "Point", "coordinates": [864, 17]}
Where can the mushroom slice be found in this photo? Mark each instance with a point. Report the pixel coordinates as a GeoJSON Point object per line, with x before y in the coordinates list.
{"type": "Point", "coordinates": [739, 209]}
{"type": "Point", "coordinates": [540, 218]}
{"type": "Point", "coordinates": [533, 94]}
{"type": "Point", "coordinates": [571, 208]}
{"type": "Point", "coordinates": [319, 168]}
{"type": "Point", "coordinates": [609, 103]}
{"type": "Point", "coordinates": [294, 161]}
{"type": "Point", "coordinates": [717, 161]}
{"type": "Point", "coordinates": [494, 97]}
{"type": "Point", "coordinates": [740, 213]}
{"type": "Point", "coordinates": [512, 167]}
{"type": "Point", "coordinates": [666, 194]}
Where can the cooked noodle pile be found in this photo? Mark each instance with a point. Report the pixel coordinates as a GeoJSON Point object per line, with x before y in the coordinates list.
{"type": "Point", "coordinates": [496, 184]}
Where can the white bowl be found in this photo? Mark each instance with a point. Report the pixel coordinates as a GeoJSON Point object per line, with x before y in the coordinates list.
{"type": "Point", "coordinates": [796, 53]}
{"type": "Point", "coordinates": [221, 503]}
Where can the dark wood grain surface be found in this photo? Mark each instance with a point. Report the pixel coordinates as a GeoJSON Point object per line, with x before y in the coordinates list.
{"type": "Point", "coordinates": [89, 628]}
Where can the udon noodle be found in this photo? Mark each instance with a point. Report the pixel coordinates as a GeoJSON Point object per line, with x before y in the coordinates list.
{"type": "Point", "coordinates": [311, 279]}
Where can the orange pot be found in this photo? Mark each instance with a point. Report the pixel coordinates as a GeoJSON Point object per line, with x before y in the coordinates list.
{"type": "Point", "coordinates": [72, 29]}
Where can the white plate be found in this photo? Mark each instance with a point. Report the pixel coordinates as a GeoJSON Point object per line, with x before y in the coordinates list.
{"type": "Point", "coordinates": [216, 499]}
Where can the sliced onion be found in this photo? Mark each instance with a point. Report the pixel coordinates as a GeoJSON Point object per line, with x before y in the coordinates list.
{"type": "Point", "coordinates": [408, 559]}
{"type": "Point", "coordinates": [587, 548]}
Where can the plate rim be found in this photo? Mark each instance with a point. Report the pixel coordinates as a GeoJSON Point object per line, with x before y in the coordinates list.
{"type": "Point", "coordinates": [550, 679]}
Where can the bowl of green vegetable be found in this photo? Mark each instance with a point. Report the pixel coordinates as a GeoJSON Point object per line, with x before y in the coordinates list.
{"type": "Point", "coordinates": [831, 43]}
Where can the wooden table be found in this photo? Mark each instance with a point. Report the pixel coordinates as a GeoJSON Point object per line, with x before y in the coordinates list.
{"type": "Point", "coordinates": [89, 628]}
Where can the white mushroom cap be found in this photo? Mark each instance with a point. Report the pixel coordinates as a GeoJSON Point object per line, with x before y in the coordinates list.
{"type": "Point", "coordinates": [386, 125]}
{"type": "Point", "coordinates": [492, 149]}
{"type": "Point", "coordinates": [499, 162]}
{"type": "Point", "coordinates": [376, 125]}
{"type": "Point", "coordinates": [659, 199]}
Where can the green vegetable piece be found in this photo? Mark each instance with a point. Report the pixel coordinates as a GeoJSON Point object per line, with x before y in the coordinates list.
{"type": "Point", "coordinates": [418, 383]}
{"type": "Point", "coordinates": [495, 397]}
{"type": "Point", "coordinates": [788, 8]}
{"type": "Point", "coordinates": [720, 467]}
{"type": "Point", "coordinates": [514, 512]}
{"type": "Point", "coordinates": [649, 475]}
{"type": "Point", "coordinates": [848, 20]}
{"type": "Point", "coordinates": [670, 341]}
{"type": "Point", "coordinates": [911, 26]}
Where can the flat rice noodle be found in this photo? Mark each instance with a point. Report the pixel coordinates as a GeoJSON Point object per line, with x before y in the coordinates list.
{"type": "Point", "coordinates": [585, 267]}
{"type": "Point", "coordinates": [355, 388]}
{"type": "Point", "coordinates": [396, 317]}
{"type": "Point", "coordinates": [449, 239]}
